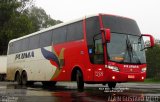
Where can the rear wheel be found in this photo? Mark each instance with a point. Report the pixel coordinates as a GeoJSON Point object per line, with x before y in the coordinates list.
{"type": "Point", "coordinates": [18, 78]}
{"type": "Point", "coordinates": [80, 82]}
{"type": "Point", "coordinates": [1, 78]}
{"type": "Point", "coordinates": [24, 78]}
{"type": "Point", "coordinates": [111, 85]}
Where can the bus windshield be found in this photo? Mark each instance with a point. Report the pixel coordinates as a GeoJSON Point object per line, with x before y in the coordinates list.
{"type": "Point", "coordinates": [126, 44]}
{"type": "Point", "coordinates": [125, 48]}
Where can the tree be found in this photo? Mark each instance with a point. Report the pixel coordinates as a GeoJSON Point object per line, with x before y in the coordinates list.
{"type": "Point", "coordinates": [153, 59]}
{"type": "Point", "coordinates": [20, 17]}
{"type": "Point", "coordinates": [16, 27]}
{"type": "Point", "coordinates": [12, 21]}
{"type": "Point", "coordinates": [10, 8]}
{"type": "Point", "coordinates": [40, 19]}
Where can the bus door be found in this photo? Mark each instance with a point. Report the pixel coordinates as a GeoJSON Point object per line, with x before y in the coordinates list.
{"type": "Point", "coordinates": [98, 58]}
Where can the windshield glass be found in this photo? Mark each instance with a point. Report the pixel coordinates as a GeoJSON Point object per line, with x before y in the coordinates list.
{"type": "Point", "coordinates": [125, 48]}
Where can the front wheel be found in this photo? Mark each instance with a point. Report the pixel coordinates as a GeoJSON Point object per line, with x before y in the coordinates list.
{"type": "Point", "coordinates": [104, 84]}
{"type": "Point", "coordinates": [80, 82]}
{"type": "Point", "coordinates": [111, 85]}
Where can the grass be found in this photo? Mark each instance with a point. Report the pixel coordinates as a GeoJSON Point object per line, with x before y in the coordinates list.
{"type": "Point", "coordinates": [152, 80]}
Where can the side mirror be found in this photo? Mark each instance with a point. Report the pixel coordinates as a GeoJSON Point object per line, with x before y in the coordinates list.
{"type": "Point", "coordinates": [107, 34]}
{"type": "Point", "coordinates": [151, 39]}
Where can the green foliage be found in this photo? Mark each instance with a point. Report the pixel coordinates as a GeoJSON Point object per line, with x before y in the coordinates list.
{"type": "Point", "coordinates": [40, 19]}
{"type": "Point", "coordinates": [18, 18]}
{"type": "Point", "coordinates": [153, 62]}
{"type": "Point", "coordinates": [151, 80]}
{"type": "Point", "coordinates": [8, 11]}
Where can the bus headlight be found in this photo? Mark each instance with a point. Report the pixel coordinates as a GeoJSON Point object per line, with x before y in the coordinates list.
{"type": "Point", "coordinates": [113, 68]}
{"type": "Point", "coordinates": [144, 69]}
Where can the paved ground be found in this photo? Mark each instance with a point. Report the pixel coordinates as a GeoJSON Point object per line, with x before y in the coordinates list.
{"type": "Point", "coordinates": [67, 92]}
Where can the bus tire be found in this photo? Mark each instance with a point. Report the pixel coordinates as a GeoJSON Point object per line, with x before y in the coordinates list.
{"type": "Point", "coordinates": [18, 78]}
{"type": "Point", "coordinates": [79, 79]}
{"type": "Point", "coordinates": [111, 85]}
{"type": "Point", "coordinates": [24, 78]}
{"type": "Point", "coordinates": [1, 77]}
{"type": "Point", "coordinates": [104, 84]}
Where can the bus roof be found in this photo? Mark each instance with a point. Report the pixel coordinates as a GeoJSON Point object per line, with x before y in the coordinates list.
{"type": "Point", "coordinates": [60, 25]}
{"type": "Point", "coordinates": [52, 27]}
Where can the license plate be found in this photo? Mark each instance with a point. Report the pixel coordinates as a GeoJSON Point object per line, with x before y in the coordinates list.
{"type": "Point", "coordinates": [131, 76]}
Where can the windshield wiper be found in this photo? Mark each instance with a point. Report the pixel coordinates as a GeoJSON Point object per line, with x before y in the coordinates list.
{"type": "Point", "coordinates": [126, 51]}
{"type": "Point", "coordinates": [129, 49]}
{"type": "Point", "coordinates": [131, 53]}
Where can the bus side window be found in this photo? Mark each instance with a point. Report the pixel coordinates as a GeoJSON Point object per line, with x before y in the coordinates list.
{"type": "Point", "coordinates": [24, 44]}
{"type": "Point", "coordinates": [11, 48]}
{"type": "Point", "coordinates": [45, 39]}
{"type": "Point", "coordinates": [98, 54]}
{"type": "Point", "coordinates": [74, 31]}
{"type": "Point", "coordinates": [34, 42]}
{"type": "Point", "coordinates": [17, 46]}
{"type": "Point", "coordinates": [59, 35]}
{"type": "Point", "coordinates": [92, 29]}
{"type": "Point", "coordinates": [98, 46]}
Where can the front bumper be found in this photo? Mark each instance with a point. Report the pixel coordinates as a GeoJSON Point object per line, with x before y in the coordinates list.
{"type": "Point", "coordinates": [125, 77]}
{"type": "Point", "coordinates": [111, 76]}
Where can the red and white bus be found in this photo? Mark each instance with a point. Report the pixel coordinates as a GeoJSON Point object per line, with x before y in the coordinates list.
{"type": "Point", "coordinates": [95, 49]}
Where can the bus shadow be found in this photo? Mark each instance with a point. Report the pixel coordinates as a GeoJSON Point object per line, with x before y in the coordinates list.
{"type": "Point", "coordinates": [39, 85]}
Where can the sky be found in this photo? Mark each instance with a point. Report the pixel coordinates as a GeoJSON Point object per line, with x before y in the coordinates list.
{"type": "Point", "coordinates": [145, 12]}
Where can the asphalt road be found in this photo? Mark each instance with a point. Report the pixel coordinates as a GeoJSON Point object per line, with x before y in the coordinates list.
{"type": "Point", "coordinates": [67, 92]}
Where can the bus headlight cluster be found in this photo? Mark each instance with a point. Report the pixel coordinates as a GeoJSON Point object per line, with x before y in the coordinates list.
{"type": "Point", "coordinates": [144, 69]}
{"type": "Point", "coordinates": [113, 68]}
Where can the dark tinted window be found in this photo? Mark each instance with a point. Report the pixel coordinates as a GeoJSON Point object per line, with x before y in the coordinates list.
{"type": "Point", "coordinates": [121, 25]}
{"type": "Point", "coordinates": [24, 44]}
{"type": "Point", "coordinates": [94, 40]}
{"type": "Point", "coordinates": [11, 48]}
{"type": "Point", "coordinates": [74, 31]}
{"type": "Point", "coordinates": [59, 35]}
{"type": "Point", "coordinates": [17, 46]}
{"type": "Point", "coordinates": [45, 38]}
{"type": "Point", "coordinates": [92, 28]}
{"type": "Point", "coordinates": [34, 42]}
